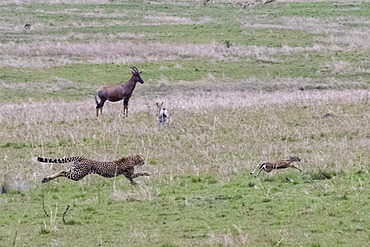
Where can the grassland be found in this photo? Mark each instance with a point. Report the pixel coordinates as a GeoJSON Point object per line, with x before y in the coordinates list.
{"type": "Point", "coordinates": [264, 98]}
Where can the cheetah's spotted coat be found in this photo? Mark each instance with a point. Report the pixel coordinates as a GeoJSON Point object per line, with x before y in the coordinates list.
{"type": "Point", "coordinates": [82, 167]}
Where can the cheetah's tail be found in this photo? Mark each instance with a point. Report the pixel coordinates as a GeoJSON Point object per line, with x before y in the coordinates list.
{"type": "Point", "coordinates": [64, 160]}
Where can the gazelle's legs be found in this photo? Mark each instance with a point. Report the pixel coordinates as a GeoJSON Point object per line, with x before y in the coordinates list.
{"type": "Point", "coordinates": [256, 168]}
{"type": "Point", "coordinates": [263, 167]}
{"type": "Point", "coordinates": [295, 168]}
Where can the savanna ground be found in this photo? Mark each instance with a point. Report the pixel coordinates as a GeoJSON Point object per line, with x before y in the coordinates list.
{"type": "Point", "coordinates": [294, 82]}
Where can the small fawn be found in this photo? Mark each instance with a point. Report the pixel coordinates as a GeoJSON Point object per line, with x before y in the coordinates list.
{"type": "Point", "coordinates": [162, 115]}
{"type": "Point", "coordinates": [282, 164]}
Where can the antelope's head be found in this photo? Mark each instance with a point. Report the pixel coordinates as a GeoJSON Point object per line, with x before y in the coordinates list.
{"type": "Point", "coordinates": [295, 159]}
{"type": "Point", "coordinates": [136, 74]}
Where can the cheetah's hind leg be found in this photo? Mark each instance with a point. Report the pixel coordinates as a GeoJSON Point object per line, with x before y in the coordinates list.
{"type": "Point", "coordinates": [57, 175]}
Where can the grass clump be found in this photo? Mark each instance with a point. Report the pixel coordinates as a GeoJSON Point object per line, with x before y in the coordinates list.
{"type": "Point", "coordinates": [322, 174]}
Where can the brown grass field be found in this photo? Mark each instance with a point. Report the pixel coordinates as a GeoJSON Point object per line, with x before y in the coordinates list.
{"type": "Point", "coordinates": [295, 82]}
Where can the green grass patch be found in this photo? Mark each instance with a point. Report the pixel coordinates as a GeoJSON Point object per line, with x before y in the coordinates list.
{"type": "Point", "coordinates": [169, 217]}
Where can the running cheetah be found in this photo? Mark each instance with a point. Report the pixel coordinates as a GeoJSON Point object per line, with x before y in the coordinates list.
{"type": "Point", "coordinates": [82, 167]}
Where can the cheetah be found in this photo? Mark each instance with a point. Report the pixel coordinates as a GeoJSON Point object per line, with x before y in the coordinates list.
{"type": "Point", "coordinates": [82, 167]}
{"type": "Point", "coordinates": [282, 164]}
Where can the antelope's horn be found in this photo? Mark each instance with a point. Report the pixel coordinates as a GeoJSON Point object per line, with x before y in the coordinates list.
{"type": "Point", "coordinates": [134, 69]}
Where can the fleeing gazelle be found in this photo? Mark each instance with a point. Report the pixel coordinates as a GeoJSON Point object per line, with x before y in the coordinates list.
{"type": "Point", "coordinates": [114, 93]}
{"type": "Point", "coordinates": [282, 164]}
{"type": "Point", "coordinates": [162, 114]}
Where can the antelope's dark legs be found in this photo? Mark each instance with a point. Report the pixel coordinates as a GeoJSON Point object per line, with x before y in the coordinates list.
{"type": "Point", "coordinates": [125, 107]}
{"type": "Point", "coordinates": [99, 106]}
{"type": "Point", "coordinates": [125, 111]}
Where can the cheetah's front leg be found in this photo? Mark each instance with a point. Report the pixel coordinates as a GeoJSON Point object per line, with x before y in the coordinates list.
{"type": "Point", "coordinates": [139, 174]}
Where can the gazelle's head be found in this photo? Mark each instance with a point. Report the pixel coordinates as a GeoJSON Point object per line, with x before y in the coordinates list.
{"type": "Point", "coordinates": [136, 74]}
{"type": "Point", "coordinates": [162, 111]}
{"type": "Point", "coordinates": [159, 107]}
{"type": "Point", "coordinates": [294, 159]}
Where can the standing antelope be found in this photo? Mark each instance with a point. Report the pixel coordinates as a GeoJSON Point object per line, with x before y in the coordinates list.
{"type": "Point", "coordinates": [114, 93]}
{"type": "Point", "coordinates": [282, 164]}
{"type": "Point", "coordinates": [162, 114]}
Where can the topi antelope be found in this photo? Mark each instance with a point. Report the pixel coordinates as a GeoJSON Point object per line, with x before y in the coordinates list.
{"type": "Point", "coordinates": [114, 93]}
{"type": "Point", "coordinates": [162, 114]}
{"type": "Point", "coordinates": [282, 164]}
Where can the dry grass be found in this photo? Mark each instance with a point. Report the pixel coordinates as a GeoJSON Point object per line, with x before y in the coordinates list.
{"type": "Point", "coordinates": [97, 17]}
{"type": "Point", "coordinates": [46, 54]}
{"type": "Point", "coordinates": [111, 50]}
{"type": "Point", "coordinates": [348, 33]}
{"type": "Point", "coordinates": [204, 123]}
{"type": "Point", "coordinates": [229, 239]}
{"type": "Point", "coordinates": [52, 54]}
{"type": "Point", "coordinates": [201, 102]}
{"type": "Point", "coordinates": [27, 2]}
{"type": "Point", "coordinates": [57, 85]}
{"type": "Point", "coordinates": [40, 50]}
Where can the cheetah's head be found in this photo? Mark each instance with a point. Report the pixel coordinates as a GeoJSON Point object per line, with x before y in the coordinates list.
{"type": "Point", "coordinates": [138, 160]}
